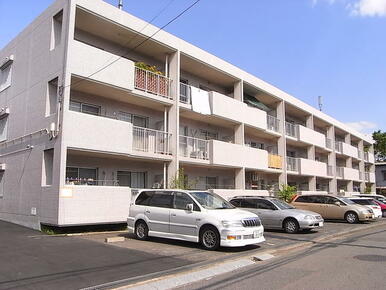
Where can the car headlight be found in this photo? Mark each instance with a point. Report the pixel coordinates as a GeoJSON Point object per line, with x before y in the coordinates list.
{"type": "Point", "coordinates": [232, 224]}
{"type": "Point", "coordinates": [309, 217]}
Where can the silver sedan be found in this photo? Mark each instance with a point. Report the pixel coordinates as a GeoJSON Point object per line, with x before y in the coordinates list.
{"type": "Point", "coordinates": [277, 214]}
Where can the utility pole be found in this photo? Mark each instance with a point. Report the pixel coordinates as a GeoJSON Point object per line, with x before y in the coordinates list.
{"type": "Point", "coordinates": [320, 103]}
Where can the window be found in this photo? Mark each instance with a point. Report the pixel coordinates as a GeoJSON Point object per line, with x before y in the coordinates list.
{"type": "Point", "coordinates": [81, 176]}
{"type": "Point", "coordinates": [56, 33]}
{"type": "Point", "coordinates": [85, 108]}
{"type": "Point", "coordinates": [207, 135]}
{"type": "Point", "coordinates": [144, 198]}
{"type": "Point", "coordinates": [384, 174]}
{"type": "Point", "coordinates": [52, 97]}
{"type": "Point", "coordinates": [236, 202]}
{"type": "Point", "coordinates": [1, 184]}
{"type": "Point", "coordinates": [211, 182]}
{"type": "Point", "coordinates": [181, 200]}
{"type": "Point", "coordinates": [136, 120]}
{"type": "Point", "coordinates": [132, 179]}
{"type": "Point", "coordinates": [161, 199]}
{"type": "Point", "coordinates": [48, 163]}
{"type": "Point", "coordinates": [303, 198]}
{"type": "Point", "coordinates": [265, 204]}
{"type": "Point", "coordinates": [3, 128]}
{"type": "Point", "coordinates": [248, 203]}
{"type": "Point", "coordinates": [5, 76]}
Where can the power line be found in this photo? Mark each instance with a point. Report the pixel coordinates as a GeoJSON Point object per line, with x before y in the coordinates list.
{"type": "Point", "coordinates": [138, 45]}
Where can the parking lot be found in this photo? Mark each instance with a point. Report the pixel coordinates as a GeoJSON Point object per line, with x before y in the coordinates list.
{"type": "Point", "coordinates": [73, 262]}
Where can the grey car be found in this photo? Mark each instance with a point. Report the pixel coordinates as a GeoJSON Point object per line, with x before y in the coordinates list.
{"type": "Point", "coordinates": [277, 214]}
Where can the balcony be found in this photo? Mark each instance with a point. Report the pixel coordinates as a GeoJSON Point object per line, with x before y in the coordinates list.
{"type": "Point", "coordinates": [350, 174]}
{"type": "Point", "coordinates": [87, 62]}
{"type": "Point", "coordinates": [312, 167]}
{"type": "Point", "coordinates": [369, 157]}
{"type": "Point", "coordinates": [194, 148]}
{"type": "Point", "coordinates": [350, 150]}
{"type": "Point", "coordinates": [339, 146]}
{"type": "Point", "coordinates": [151, 141]}
{"type": "Point", "coordinates": [339, 172]}
{"type": "Point", "coordinates": [152, 83]}
{"type": "Point", "coordinates": [291, 130]}
{"type": "Point", "coordinates": [329, 170]}
{"type": "Point", "coordinates": [96, 133]}
{"type": "Point", "coordinates": [93, 204]}
{"type": "Point", "coordinates": [273, 124]}
{"type": "Point", "coordinates": [275, 161]}
{"type": "Point", "coordinates": [293, 164]}
{"type": "Point", "coordinates": [234, 155]}
{"type": "Point", "coordinates": [310, 136]}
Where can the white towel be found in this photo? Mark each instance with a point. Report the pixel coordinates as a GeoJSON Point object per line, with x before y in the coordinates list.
{"type": "Point", "coordinates": [200, 101]}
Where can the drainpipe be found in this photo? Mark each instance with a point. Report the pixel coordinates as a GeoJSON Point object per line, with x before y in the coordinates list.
{"type": "Point", "coordinates": [165, 177]}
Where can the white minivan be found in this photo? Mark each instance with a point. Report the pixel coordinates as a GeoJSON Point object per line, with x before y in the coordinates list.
{"type": "Point", "coordinates": [196, 216]}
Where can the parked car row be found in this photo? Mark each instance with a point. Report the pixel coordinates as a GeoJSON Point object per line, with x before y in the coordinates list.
{"type": "Point", "coordinates": [207, 218]}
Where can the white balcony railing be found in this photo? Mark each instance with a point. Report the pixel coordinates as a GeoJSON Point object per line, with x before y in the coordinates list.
{"type": "Point", "coordinates": [293, 164]}
{"type": "Point", "coordinates": [360, 154]}
{"type": "Point", "coordinates": [366, 156]}
{"type": "Point", "coordinates": [340, 172]}
{"type": "Point", "coordinates": [367, 176]}
{"type": "Point", "coordinates": [185, 94]}
{"type": "Point", "coordinates": [152, 141]}
{"type": "Point", "coordinates": [194, 148]}
{"type": "Point", "coordinates": [273, 123]}
{"type": "Point", "coordinates": [291, 130]}
{"type": "Point", "coordinates": [152, 83]}
{"type": "Point", "coordinates": [339, 146]}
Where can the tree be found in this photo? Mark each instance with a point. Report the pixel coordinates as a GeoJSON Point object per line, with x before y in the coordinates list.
{"type": "Point", "coordinates": [287, 192]}
{"type": "Point", "coordinates": [180, 181]}
{"type": "Point", "coordinates": [379, 145]}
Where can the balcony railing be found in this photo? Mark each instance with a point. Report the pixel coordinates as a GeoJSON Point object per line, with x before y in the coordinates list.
{"type": "Point", "coordinates": [90, 181]}
{"type": "Point", "coordinates": [275, 161]}
{"type": "Point", "coordinates": [329, 170]}
{"type": "Point", "coordinates": [207, 186]}
{"type": "Point", "coordinates": [293, 164]}
{"type": "Point", "coordinates": [366, 156]}
{"type": "Point", "coordinates": [361, 175]}
{"type": "Point", "coordinates": [194, 148]}
{"type": "Point", "coordinates": [152, 141]}
{"type": "Point", "coordinates": [185, 94]}
{"type": "Point", "coordinates": [291, 130]}
{"type": "Point", "coordinates": [322, 187]}
{"type": "Point", "coordinates": [339, 171]}
{"type": "Point", "coordinates": [360, 154]}
{"type": "Point", "coordinates": [152, 83]}
{"type": "Point", "coordinates": [338, 146]}
{"type": "Point", "coordinates": [328, 143]}
{"type": "Point", "coordinates": [273, 123]}
{"type": "Point", "coordinates": [367, 176]}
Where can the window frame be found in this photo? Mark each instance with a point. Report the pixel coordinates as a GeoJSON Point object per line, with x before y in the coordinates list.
{"type": "Point", "coordinates": [85, 104]}
{"type": "Point", "coordinates": [195, 205]}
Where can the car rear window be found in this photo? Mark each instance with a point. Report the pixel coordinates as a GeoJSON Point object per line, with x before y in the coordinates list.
{"type": "Point", "coordinates": [361, 201]}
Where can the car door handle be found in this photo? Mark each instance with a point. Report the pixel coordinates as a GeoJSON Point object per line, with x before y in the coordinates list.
{"type": "Point", "coordinates": [173, 214]}
{"type": "Point", "coordinates": [147, 211]}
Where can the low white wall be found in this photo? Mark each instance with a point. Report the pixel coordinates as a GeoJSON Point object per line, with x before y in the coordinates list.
{"type": "Point", "coordinates": [86, 60]}
{"type": "Point", "coordinates": [312, 167]}
{"type": "Point", "coordinates": [229, 193]}
{"type": "Point", "coordinates": [350, 174]}
{"type": "Point", "coordinates": [90, 132]}
{"type": "Point", "coordinates": [350, 150]}
{"type": "Point", "coordinates": [93, 204]}
{"type": "Point", "coordinates": [310, 136]}
{"type": "Point", "coordinates": [229, 108]}
{"type": "Point", "coordinates": [234, 155]}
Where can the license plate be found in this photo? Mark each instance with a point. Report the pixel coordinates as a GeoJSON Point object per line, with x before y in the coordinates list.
{"type": "Point", "coordinates": [321, 224]}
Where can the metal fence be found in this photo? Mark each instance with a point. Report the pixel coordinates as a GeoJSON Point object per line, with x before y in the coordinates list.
{"type": "Point", "coordinates": [149, 140]}
{"type": "Point", "coordinates": [339, 172]}
{"type": "Point", "coordinates": [194, 148]}
{"type": "Point", "coordinates": [273, 123]}
{"type": "Point", "coordinates": [339, 146]}
{"type": "Point", "coordinates": [292, 164]}
{"type": "Point", "coordinates": [291, 130]}
{"type": "Point", "coordinates": [185, 94]}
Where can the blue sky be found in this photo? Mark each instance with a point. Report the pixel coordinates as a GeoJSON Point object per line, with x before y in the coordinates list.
{"type": "Point", "coordinates": [332, 48]}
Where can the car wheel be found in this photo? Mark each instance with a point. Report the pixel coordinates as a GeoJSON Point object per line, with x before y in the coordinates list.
{"type": "Point", "coordinates": [141, 230]}
{"type": "Point", "coordinates": [291, 226]}
{"type": "Point", "coordinates": [351, 217]}
{"type": "Point", "coordinates": [210, 238]}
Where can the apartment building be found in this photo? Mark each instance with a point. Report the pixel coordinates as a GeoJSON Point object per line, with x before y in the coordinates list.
{"type": "Point", "coordinates": [380, 177]}
{"type": "Point", "coordinates": [81, 126]}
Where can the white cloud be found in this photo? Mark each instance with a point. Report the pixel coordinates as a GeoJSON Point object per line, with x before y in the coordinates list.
{"type": "Point", "coordinates": [368, 8]}
{"type": "Point", "coordinates": [364, 127]}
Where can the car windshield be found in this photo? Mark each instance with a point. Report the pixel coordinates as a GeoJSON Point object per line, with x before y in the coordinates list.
{"type": "Point", "coordinates": [211, 200]}
{"type": "Point", "coordinates": [281, 204]}
{"type": "Point", "coordinates": [346, 200]}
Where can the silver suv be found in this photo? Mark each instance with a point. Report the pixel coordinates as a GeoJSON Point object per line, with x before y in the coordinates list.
{"type": "Point", "coordinates": [196, 216]}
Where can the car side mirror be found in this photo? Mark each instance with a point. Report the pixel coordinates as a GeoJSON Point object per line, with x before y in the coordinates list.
{"type": "Point", "coordinates": [189, 207]}
{"type": "Point", "coordinates": [337, 203]}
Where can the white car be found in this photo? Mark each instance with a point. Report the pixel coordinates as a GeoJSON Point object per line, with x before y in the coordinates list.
{"type": "Point", "coordinates": [369, 203]}
{"type": "Point", "coordinates": [196, 216]}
